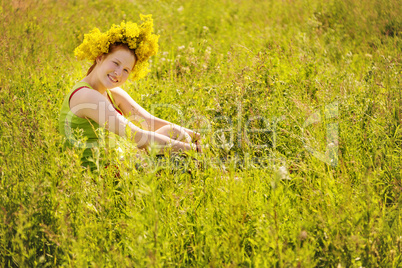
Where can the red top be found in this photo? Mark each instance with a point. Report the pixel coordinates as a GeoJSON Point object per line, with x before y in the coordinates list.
{"type": "Point", "coordinates": [107, 96]}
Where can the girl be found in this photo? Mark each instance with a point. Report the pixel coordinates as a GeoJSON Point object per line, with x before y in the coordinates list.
{"type": "Point", "coordinates": [97, 102]}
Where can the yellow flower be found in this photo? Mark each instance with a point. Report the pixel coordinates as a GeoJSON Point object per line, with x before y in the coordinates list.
{"type": "Point", "coordinates": [140, 38]}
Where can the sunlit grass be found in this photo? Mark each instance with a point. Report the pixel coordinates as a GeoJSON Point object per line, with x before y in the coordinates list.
{"type": "Point", "coordinates": [247, 74]}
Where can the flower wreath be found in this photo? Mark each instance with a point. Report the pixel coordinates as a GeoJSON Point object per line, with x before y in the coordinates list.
{"type": "Point", "coordinates": [140, 38]}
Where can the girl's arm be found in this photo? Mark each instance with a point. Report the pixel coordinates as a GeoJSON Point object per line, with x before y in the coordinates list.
{"type": "Point", "coordinates": [89, 103]}
{"type": "Point", "coordinates": [135, 112]}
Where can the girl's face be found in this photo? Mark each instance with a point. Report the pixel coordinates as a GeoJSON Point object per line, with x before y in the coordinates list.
{"type": "Point", "coordinates": [115, 67]}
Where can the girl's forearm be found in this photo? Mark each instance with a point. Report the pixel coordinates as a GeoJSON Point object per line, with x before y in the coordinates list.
{"type": "Point", "coordinates": [157, 123]}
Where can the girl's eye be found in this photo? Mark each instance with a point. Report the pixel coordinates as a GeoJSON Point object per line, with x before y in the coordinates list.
{"type": "Point", "coordinates": [126, 70]}
{"type": "Point", "coordinates": [115, 63]}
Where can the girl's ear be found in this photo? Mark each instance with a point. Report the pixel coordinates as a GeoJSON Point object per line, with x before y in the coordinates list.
{"type": "Point", "coordinates": [99, 59]}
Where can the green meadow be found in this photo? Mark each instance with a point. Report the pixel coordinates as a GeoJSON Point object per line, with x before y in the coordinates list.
{"type": "Point", "coordinates": [300, 107]}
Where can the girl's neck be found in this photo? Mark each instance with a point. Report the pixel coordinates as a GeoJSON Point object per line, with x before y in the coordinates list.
{"type": "Point", "coordinates": [94, 83]}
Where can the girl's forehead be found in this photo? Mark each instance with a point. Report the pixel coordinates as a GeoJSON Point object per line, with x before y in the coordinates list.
{"type": "Point", "coordinates": [124, 56]}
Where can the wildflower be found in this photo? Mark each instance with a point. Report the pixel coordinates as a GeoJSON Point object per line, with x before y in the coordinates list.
{"type": "Point", "coordinates": [137, 37]}
{"type": "Point", "coordinates": [282, 173]}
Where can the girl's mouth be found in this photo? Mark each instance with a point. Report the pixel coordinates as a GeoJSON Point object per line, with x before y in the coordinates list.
{"type": "Point", "coordinates": [112, 79]}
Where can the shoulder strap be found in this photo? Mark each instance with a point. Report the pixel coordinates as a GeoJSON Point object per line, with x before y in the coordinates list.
{"type": "Point", "coordinates": [109, 94]}
{"type": "Point", "coordinates": [77, 87]}
{"type": "Point", "coordinates": [75, 92]}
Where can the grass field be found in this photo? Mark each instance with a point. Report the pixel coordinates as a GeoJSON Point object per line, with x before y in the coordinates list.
{"type": "Point", "coordinates": [300, 107]}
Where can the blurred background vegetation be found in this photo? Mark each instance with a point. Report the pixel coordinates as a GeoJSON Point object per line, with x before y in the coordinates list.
{"type": "Point", "coordinates": [225, 65]}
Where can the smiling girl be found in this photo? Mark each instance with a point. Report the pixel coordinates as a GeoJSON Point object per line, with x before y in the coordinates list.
{"type": "Point", "coordinates": [97, 103]}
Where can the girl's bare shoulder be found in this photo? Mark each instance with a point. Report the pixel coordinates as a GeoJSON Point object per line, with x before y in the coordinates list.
{"type": "Point", "coordinates": [86, 95]}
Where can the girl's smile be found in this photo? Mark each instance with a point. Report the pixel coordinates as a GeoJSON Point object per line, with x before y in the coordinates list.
{"type": "Point", "coordinates": [114, 80]}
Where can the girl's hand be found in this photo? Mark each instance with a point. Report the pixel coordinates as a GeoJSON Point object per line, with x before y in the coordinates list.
{"type": "Point", "coordinates": [174, 132]}
{"type": "Point", "coordinates": [195, 136]}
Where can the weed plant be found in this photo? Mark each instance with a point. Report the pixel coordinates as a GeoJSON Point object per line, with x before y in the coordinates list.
{"type": "Point", "coordinates": [300, 106]}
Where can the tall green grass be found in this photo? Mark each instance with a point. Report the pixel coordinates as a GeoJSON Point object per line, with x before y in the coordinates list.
{"type": "Point", "coordinates": [229, 69]}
